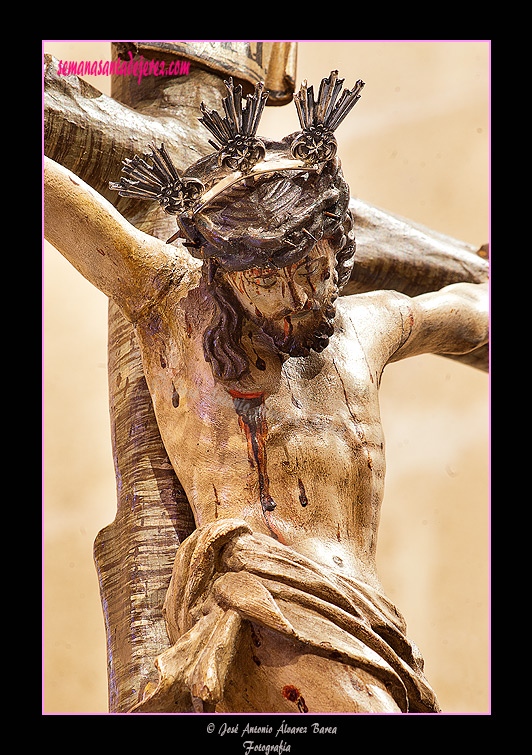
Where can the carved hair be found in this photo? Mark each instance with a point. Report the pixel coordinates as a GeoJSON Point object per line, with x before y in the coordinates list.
{"type": "Point", "coordinates": [221, 339]}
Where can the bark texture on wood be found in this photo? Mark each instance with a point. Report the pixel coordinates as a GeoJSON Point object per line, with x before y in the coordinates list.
{"type": "Point", "coordinates": [134, 555]}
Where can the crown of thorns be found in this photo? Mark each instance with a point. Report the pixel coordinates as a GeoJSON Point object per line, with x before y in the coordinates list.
{"type": "Point", "coordinates": [240, 155]}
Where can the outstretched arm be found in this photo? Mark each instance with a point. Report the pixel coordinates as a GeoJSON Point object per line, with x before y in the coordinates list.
{"type": "Point", "coordinates": [130, 266]}
{"type": "Point", "coordinates": [453, 320]}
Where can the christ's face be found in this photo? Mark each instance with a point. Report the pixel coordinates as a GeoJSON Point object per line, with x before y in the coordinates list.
{"type": "Point", "coordinates": [293, 305]}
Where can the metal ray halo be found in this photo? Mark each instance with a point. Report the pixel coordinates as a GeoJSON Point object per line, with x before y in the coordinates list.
{"type": "Point", "coordinates": [160, 181]}
{"type": "Point", "coordinates": [320, 118]}
{"type": "Point", "coordinates": [238, 146]}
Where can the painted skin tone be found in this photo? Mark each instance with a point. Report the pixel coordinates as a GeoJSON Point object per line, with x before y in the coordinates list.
{"type": "Point", "coordinates": [322, 431]}
{"type": "Point", "coordinates": [292, 292]}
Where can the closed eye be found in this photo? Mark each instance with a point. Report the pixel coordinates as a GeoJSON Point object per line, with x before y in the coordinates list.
{"type": "Point", "coordinates": [310, 267]}
{"type": "Point", "coordinates": [266, 281]}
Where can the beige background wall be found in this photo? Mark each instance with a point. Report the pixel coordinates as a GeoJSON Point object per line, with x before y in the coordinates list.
{"type": "Point", "coordinates": [416, 144]}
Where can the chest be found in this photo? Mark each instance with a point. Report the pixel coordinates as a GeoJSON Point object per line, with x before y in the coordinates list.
{"type": "Point", "coordinates": [307, 405]}
{"type": "Point", "coordinates": [326, 412]}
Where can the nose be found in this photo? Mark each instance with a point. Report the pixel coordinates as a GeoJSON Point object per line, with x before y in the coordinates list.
{"type": "Point", "coordinates": [296, 296]}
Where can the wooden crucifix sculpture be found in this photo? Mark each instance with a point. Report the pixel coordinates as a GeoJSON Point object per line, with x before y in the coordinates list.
{"type": "Point", "coordinates": [262, 338]}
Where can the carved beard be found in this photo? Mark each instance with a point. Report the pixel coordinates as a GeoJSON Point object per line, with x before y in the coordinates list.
{"type": "Point", "coordinates": [298, 337]}
{"type": "Point", "coordinates": [222, 347]}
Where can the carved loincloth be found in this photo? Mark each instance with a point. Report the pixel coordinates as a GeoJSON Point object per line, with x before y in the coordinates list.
{"type": "Point", "coordinates": [224, 575]}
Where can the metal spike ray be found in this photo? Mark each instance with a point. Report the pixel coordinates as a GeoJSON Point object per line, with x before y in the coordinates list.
{"type": "Point", "coordinates": [232, 105]}
{"type": "Point", "coordinates": [303, 102]}
{"type": "Point", "coordinates": [162, 159]}
{"type": "Point", "coordinates": [326, 110]}
{"type": "Point", "coordinates": [254, 108]}
{"type": "Point", "coordinates": [139, 180]}
{"type": "Point", "coordinates": [329, 90]}
{"type": "Point", "coordinates": [347, 101]}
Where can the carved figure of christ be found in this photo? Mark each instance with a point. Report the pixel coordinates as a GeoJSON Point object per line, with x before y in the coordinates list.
{"type": "Point", "coordinates": [294, 446]}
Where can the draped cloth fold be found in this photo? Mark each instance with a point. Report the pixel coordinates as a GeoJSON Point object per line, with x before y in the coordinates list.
{"type": "Point", "coordinates": [225, 575]}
